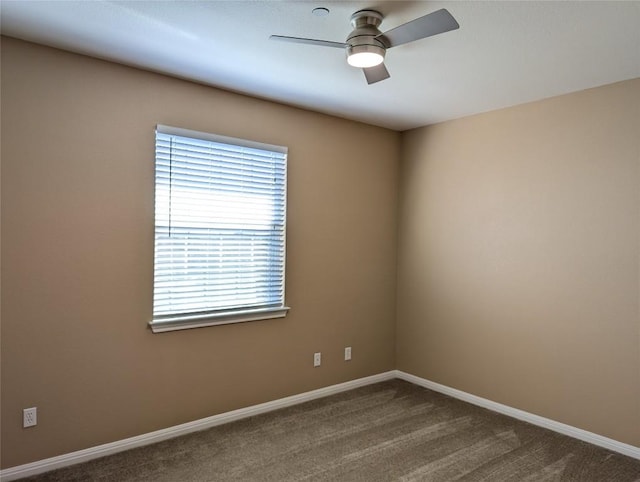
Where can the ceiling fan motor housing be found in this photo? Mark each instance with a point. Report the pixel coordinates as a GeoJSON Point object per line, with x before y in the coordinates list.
{"type": "Point", "coordinates": [365, 30]}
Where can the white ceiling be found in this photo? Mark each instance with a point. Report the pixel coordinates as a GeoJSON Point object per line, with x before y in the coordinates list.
{"type": "Point", "coordinates": [504, 53]}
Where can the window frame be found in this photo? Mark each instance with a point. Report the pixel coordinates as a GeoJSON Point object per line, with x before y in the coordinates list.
{"type": "Point", "coordinates": [184, 321]}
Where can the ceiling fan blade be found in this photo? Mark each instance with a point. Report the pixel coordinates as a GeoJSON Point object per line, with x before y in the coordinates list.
{"type": "Point", "coordinates": [433, 23]}
{"type": "Point", "coordinates": [376, 73]}
{"type": "Point", "coordinates": [310, 41]}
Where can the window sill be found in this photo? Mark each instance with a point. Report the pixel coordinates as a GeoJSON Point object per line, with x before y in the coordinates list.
{"type": "Point", "coordinates": [189, 322]}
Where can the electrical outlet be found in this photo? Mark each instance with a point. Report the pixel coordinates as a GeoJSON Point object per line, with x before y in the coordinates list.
{"type": "Point", "coordinates": [317, 359]}
{"type": "Point", "coordinates": [347, 353]}
{"type": "Point", "coordinates": [29, 417]}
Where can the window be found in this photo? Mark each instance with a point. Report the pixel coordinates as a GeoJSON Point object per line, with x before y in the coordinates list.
{"type": "Point", "coordinates": [220, 219]}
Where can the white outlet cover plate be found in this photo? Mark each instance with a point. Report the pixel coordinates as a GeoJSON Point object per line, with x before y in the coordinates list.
{"type": "Point", "coordinates": [29, 417]}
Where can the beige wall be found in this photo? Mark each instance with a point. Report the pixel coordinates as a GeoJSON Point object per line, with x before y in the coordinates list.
{"type": "Point", "coordinates": [519, 257]}
{"type": "Point", "coordinates": [77, 256]}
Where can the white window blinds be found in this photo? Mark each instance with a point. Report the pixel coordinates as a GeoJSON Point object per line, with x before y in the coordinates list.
{"type": "Point", "coordinates": [220, 218]}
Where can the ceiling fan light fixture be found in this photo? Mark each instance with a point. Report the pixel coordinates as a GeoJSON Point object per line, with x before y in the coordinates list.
{"type": "Point", "coordinates": [365, 56]}
{"type": "Point", "coordinates": [366, 45]}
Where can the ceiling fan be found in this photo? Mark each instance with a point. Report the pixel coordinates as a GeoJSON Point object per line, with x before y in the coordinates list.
{"type": "Point", "coordinates": [366, 45]}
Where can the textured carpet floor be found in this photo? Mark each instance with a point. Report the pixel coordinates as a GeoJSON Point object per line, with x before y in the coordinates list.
{"type": "Point", "coordinates": [391, 431]}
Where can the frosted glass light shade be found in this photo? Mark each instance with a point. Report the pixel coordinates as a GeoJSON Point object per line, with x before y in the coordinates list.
{"type": "Point", "coordinates": [364, 56]}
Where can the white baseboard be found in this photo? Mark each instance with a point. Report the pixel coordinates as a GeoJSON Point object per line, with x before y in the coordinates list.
{"type": "Point", "coordinates": [85, 455]}
{"type": "Point", "coordinates": [559, 427]}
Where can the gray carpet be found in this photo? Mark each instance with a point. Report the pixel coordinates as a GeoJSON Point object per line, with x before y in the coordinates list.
{"type": "Point", "coordinates": [391, 431]}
